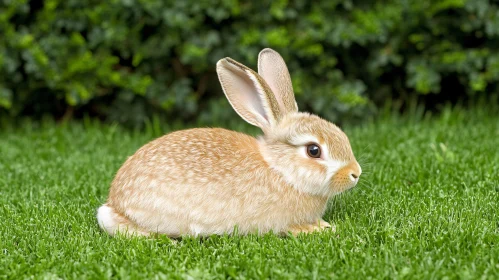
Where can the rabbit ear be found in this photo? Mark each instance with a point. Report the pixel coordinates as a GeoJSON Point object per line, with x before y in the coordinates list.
{"type": "Point", "coordinates": [272, 68]}
{"type": "Point", "coordinates": [248, 93]}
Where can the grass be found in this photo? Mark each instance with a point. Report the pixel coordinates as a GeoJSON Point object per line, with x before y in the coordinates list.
{"type": "Point", "coordinates": [427, 207]}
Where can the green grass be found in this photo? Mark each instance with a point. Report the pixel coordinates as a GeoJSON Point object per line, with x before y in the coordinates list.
{"type": "Point", "coordinates": [427, 207]}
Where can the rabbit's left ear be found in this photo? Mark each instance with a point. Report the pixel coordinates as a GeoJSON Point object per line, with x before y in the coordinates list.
{"type": "Point", "coordinates": [249, 94]}
{"type": "Point", "coordinates": [273, 69]}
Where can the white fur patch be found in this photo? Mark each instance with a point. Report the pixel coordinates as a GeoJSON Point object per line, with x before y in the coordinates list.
{"type": "Point", "coordinates": [105, 219]}
{"type": "Point", "coordinates": [303, 139]}
{"type": "Point", "coordinates": [333, 166]}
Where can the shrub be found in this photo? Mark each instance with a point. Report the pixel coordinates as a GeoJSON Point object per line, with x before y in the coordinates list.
{"type": "Point", "coordinates": [126, 60]}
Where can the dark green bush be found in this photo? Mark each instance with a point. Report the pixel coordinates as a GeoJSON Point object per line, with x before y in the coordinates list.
{"type": "Point", "coordinates": [126, 60]}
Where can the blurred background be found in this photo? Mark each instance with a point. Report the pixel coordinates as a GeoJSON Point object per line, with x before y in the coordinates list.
{"type": "Point", "coordinates": [128, 61]}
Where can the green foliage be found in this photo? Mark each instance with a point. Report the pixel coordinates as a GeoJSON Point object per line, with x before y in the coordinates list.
{"type": "Point", "coordinates": [126, 60]}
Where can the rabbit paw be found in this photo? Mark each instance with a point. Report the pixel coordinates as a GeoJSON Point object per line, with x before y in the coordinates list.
{"type": "Point", "coordinates": [321, 225]}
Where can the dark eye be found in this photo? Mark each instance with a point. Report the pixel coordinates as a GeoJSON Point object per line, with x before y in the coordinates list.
{"type": "Point", "coordinates": [314, 151]}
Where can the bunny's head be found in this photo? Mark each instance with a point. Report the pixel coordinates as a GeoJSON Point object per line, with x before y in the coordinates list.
{"type": "Point", "coordinates": [311, 154]}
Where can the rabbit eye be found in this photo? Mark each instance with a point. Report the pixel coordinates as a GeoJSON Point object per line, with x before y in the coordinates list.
{"type": "Point", "coordinates": [314, 151]}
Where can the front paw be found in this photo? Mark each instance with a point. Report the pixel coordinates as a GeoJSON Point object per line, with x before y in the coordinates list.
{"type": "Point", "coordinates": [321, 225]}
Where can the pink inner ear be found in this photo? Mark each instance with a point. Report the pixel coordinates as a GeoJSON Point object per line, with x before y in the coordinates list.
{"type": "Point", "coordinates": [255, 104]}
{"type": "Point", "coordinates": [250, 97]}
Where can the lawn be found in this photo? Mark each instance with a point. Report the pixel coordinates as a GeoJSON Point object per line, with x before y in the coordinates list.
{"type": "Point", "coordinates": [427, 207]}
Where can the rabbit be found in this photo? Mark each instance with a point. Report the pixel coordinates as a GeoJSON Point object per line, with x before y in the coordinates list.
{"type": "Point", "coordinates": [213, 181]}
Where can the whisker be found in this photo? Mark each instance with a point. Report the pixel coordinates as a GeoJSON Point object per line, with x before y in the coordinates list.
{"type": "Point", "coordinates": [372, 190]}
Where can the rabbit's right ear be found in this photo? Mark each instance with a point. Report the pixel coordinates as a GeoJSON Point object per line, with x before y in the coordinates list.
{"type": "Point", "coordinates": [273, 69]}
{"type": "Point", "coordinates": [249, 94]}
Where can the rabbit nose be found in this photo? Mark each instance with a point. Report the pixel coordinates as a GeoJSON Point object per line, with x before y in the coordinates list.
{"type": "Point", "coordinates": [354, 176]}
{"type": "Point", "coordinates": [354, 172]}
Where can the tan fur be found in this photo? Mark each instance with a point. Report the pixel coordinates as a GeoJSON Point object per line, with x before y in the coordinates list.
{"type": "Point", "coordinates": [210, 180]}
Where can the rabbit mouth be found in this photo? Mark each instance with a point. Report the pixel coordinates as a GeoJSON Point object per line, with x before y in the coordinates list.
{"type": "Point", "coordinates": [343, 183]}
